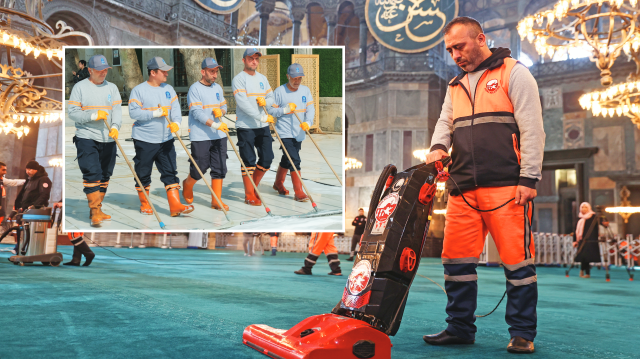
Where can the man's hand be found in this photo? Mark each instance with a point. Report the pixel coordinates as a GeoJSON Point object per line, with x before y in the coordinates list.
{"type": "Point", "coordinates": [173, 127]}
{"type": "Point", "coordinates": [304, 126]}
{"type": "Point", "coordinates": [217, 112]}
{"type": "Point", "coordinates": [161, 112]}
{"type": "Point", "coordinates": [525, 194]}
{"type": "Point", "coordinates": [223, 127]}
{"type": "Point", "coordinates": [289, 108]}
{"type": "Point", "coordinates": [113, 133]}
{"type": "Point", "coordinates": [270, 119]}
{"type": "Point", "coordinates": [99, 116]}
{"type": "Point", "coordinates": [261, 101]}
{"type": "Point", "coordinates": [209, 123]}
{"type": "Point", "coordinates": [435, 155]}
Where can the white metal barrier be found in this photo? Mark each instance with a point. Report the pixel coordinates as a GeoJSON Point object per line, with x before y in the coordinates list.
{"type": "Point", "coordinates": [557, 249]}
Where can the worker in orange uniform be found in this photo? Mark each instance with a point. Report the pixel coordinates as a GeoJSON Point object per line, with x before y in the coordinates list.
{"type": "Point", "coordinates": [318, 243]}
{"type": "Point", "coordinates": [274, 243]}
{"type": "Point", "coordinates": [492, 118]}
{"type": "Point", "coordinates": [80, 248]}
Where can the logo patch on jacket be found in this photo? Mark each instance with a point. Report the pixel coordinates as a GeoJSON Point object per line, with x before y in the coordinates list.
{"type": "Point", "coordinates": [168, 95]}
{"type": "Point", "coordinates": [261, 86]}
{"type": "Point", "coordinates": [492, 86]}
{"type": "Point", "coordinates": [304, 99]}
{"type": "Point", "coordinates": [109, 97]}
{"type": "Point", "coordinates": [218, 96]}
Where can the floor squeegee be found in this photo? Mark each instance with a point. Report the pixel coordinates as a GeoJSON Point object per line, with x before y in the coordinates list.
{"type": "Point", "coordinates": [375, 295]}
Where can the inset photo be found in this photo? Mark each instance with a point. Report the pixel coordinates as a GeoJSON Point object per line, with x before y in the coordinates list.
{"type": "Point", "coordinates": [214, 138]}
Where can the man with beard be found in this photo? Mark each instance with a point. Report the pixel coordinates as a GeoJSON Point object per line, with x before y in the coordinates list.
{"type": "Point", "coordinates": [208, 136]}
{"type": "Point", "coordinates": [92, 101]}
{"type": "Point", "coordinates": [492, 118]}
{"type": "Point", "coordinates": [152, 135]}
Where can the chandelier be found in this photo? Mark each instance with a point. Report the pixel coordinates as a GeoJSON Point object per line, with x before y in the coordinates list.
{"type": "Point", "coordinates": [604, 26]}
{"type": "Point", "coordinates": [351, 163]}
{"type": "Point", "coordinates": [25, 32]}
{"type": "Point", "coordinates": [625, 210]}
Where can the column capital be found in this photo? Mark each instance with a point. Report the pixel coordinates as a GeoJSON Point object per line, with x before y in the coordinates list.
{"type": "Point", "coordinates": [331, 16]}
{"type": "Point", "coordinates": [297, 13]}
{"type": "Point", "coordinates": [265, 7]}
{"type": "Point", "coordinates": [359, 11]}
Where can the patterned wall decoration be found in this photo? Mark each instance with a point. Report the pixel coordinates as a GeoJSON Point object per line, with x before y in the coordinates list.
{"type": "Point", "coordinates": [573, 124]}
{"type": "Point", "coordinates": [269, 65]}
{"type": "Point", "coordinates": [311, 67]}
{"type": "Point", "coordinates": [552, 98]}
{"type": "Point", "coordinates": [611, 156]}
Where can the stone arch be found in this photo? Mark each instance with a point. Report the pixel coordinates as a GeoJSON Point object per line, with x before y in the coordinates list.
{"type": "Point", "coordinates": [81, 17]}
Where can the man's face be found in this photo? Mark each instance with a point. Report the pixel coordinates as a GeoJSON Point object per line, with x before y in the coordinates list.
{"type": "Point", "coordinates": [294, 82]}
{"type": "Point", "coordinates": [251, 62]}
{"type": "Point", "coordinates": [31, 172]}
{"type": "Point", "coordinates": [97, 77]}
{"type": "Point", "coordinates": [464, 46]}
{"type": "Point", "coordinates": [159, 75]}
{"type": "Point", "coordinates": [80, 65]}
{"type": "Point", "coordinates": [210, 75]}
{"type": "Point", "coordinates": [3, 171]}
{"type": "Point", "coordinates": [361, 212]}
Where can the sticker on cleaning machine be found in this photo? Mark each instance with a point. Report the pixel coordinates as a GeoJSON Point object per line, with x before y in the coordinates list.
{"type": "Point", "coordinates": [396, 186]}
{"type": "Point", "coordinates": [386, 207]}
{"type": "Point", "coordinates": [359, 277]}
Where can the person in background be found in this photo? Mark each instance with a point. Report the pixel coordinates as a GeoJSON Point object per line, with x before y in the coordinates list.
{"type": "Point", "coordinates": [247, 243]}
{"type": "Point", "coordinates": [274, 243]}
{"type": "Point", "coordinates": [359, 222]}
{"type": "Point", "coordinates": [318, 243]}
{"type": "Point", "coordinates": [587, 239]}
{"type": "Point", "coordinates": [82, 73]}
{"type": "Point", "coordinates": [6, 182]}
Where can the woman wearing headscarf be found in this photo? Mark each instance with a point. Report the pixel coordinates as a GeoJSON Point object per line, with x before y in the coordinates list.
{"type": "Point", "coordinates": [587, 239]}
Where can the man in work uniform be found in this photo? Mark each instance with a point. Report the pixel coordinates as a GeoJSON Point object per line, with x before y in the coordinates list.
{"type": "Point", "coordinates": [318, 243]}
{"type": "Point", "coordinates": [492, 118]}
{"type": "Point", "coordinates": [208, 135]}
{"type": "Point", "coordinates": [252, 92]}
{"type": "Point", "coordinates": [92, 101]}
{"type": "Point", "coordinates": [80, 248]}
{"type": "Point", "coordinates": [152, 135]}
{"type": "Point", "coordinates": [289, 98]}
{"type": "Point", "coordinates": [6, 182]}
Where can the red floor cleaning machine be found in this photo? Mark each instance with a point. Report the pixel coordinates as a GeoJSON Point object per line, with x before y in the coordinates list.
{"type": "Point", "coordinates": [374, 298]}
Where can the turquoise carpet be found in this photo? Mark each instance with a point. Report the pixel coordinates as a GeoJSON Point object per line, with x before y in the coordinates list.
{"type": "Point", "coordinates": [195, 304]}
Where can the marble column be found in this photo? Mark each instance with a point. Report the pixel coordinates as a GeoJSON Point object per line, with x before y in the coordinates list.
{"type": "Point", "coordinates": [363, 35]}
{"type": "Point", "coordinates": [265, 8]}
{"type": "Point", "coordinates": [297, 14]}
{"type": "Point", "coordinates": [332, 17]}
{"type": "Point", "coordinates": [515, 42]}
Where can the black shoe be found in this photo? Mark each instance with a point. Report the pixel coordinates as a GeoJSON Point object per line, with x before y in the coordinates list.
{"type": "Point", "coordinates": [86, 252]}
{"type": "Point", "coordinates": [350, 259]}
{"type": "Point", "coordinates": [520, 345]}
{"type": "Point", "coordinates": [303, 271]}
{"type": "Point", "coordinates": [74, 262]}
{"type": "Point", "coordinates": [88, 258]}
{"type": "Point", "coordinates": [335, 273]}
{"type": "Point", "coordinates": [445, 338]}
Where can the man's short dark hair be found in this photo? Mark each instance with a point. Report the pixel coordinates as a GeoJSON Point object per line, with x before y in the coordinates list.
{"type": "Point", "coordinates": [2, 164]}
{"type": "Point", "coordinates": [471, 23]}
{"type": "Point", "coordinates": [84, 63]}
{"type": "Point", "coordinates": [149, 71]}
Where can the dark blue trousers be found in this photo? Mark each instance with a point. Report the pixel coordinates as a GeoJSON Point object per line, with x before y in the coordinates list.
{"type": "Point", "coordinates": [164, 157]}
{"type": "Point", "coordinates": [293, 147]}
{"type": "Point", "coordinates": [96, 161]}
{"type": "Point", "coordinates": [210, 154]}
{"type": "Point", "coordinates": [260, 139]}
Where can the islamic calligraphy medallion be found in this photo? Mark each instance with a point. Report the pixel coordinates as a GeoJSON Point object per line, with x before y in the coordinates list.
{"type": "Point", "coordinates": [220, 6]}
{"type": "Point", "coordinates": [409, 25]}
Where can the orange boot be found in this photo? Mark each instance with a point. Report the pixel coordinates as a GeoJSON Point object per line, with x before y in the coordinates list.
{"type": "Point", "coordinates": [187, 189]}
{"type": "Point", "coordinates": [278, 185]}
{"type": "Point", "coordinates": [105, 216]}
{"type": "Point", "coordinates": [175, 207]}
{"type": "Point", "coordinates": [300, 196]}
{"type": "Point", "coordinates": [94, 208]}
{"type": "Point", "coordinates": [216, 185]}
{"type": "Point", "coordinates": [145, 208]}
{"type": "Point", "coordinates": [250, 197]}
{"type": "Point", "coordinates": [258, 174]}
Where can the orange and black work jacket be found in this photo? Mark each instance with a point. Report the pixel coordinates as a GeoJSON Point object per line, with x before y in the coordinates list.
{"type": "Point", "coordinates": [484, 133]}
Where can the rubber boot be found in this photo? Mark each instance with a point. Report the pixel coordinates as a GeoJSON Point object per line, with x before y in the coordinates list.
{"type": "Point", "coordinates": [334, 264]}
{"type": "Point", "coordinates": [273, 251]}
{"type": "Point", "coordinates": [309, 262]}
{"type": "Point", "coordinates": [300, 196]}
{"type": "Point", "coordinates": [94, 209]}
{"type": "Point", "coordinates": [145, 208]}
{"type": "Point", "coordinates": [216, 185]}
{"type": "Point", "coordinates": [105, 217]}
{"type": "Point", "coordinates": [86, 251]}
{"type": "Point", "coordinates": [75, 260]}
{"type": "Point", "coordinates": [187, 189]}
{"type": "Point", "coordinates": [582, 274]}
{"type": "Point", "coordinates": [175, 207]}
{"type": "Point", "coordinates": [250, 197]}
{"type": "Point", "coordinates": [258, 174]}
{"type": "Point", "coordinates": [278, 185]}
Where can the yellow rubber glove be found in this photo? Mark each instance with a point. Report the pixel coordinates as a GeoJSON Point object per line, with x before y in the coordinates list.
{"type": "Point", "coordinates": [261, 101]}
{"type": "Point", "coordinates": [270, 119]}
{"type": "Point", "coordinates": [223, 127]}
{"type": "Point", "coordinates": [292, 107]}
{"type": "Point", "coordinates": [102, 115]}
{"type": "Point", "coordinates": [113, 133]}
{"type": "Point", "coordinates": [165, 112]}
{"type": "Point", "coordinates": [217, 112]}
{"type": "Point", "coordinates": [304, 126]}
{"type": "Point", "coordinates": [173, 127]}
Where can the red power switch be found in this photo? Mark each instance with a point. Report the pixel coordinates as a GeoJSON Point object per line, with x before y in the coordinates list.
{"type": "Point", "coordinates": [407, 260]}
{"type": "Point", "coordinates": [426, 193]}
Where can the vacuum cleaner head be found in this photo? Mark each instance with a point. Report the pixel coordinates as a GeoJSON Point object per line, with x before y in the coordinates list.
{"type": "Point", "coordinates": [376, 292]}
